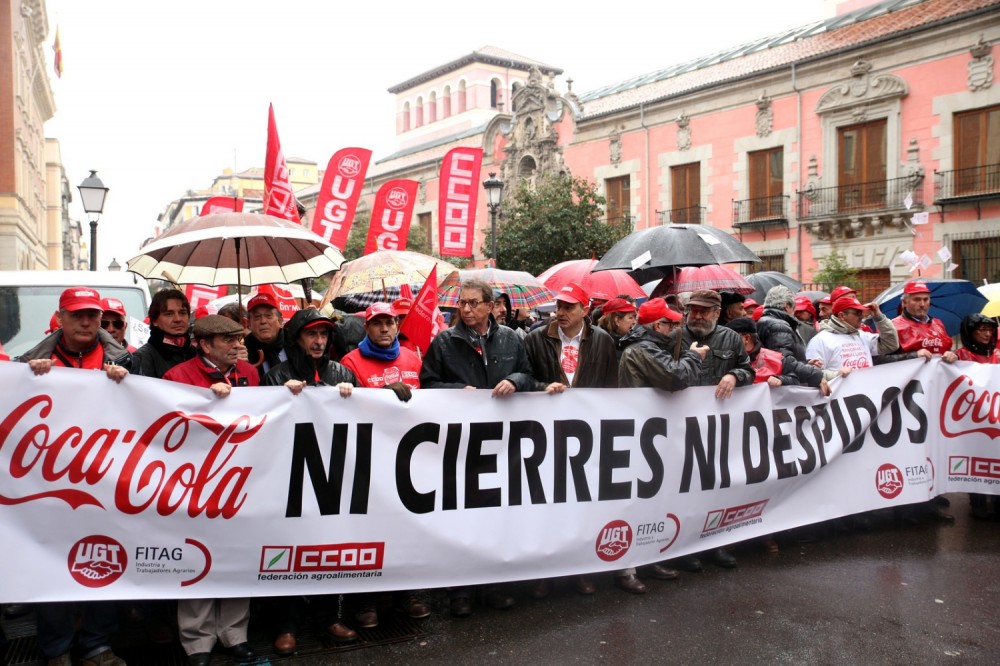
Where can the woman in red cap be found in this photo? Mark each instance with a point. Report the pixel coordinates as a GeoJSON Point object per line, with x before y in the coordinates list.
{"type": "Point", "coordinates": [618, 316]}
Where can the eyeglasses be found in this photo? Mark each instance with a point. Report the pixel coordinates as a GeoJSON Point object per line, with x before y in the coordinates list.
{"type": "Point", "coordinates": [108, 323]}
{"type": "Point", "coordinates": [472, 303]}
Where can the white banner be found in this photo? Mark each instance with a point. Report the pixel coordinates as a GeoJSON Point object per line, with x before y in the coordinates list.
{"type": "Point", "coordinates": [150, 489]}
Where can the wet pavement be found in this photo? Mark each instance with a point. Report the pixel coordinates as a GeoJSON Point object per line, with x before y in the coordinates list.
{"type": "Point", "coordinates": [892, 594]}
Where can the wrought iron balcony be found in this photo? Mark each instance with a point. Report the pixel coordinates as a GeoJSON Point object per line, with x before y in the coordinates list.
{"type": "Point", "coordinates": [972, 184]}
{"type": "Point", "coordinates": [690, 215]}
{"type": "Point", "coordinates": [859, 198]}
{"type": "Point", "coordinates": [760, 213]}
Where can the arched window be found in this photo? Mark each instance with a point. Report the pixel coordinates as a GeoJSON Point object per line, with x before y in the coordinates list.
{"type": "Point", "coordinates": [446, 102]}
{"type": "Point", "coordinates": [432, 103]}
{"type": "Point", "coordinates": [462, 97]}
{"type": "Point", "coordinates": [494, 93]}
{"type": "Point", "coordinates": [406, 117]}
{"type": "Point", "coordinates": [420, 112]}
{"type": "Point", "coordinates": [513, 91]}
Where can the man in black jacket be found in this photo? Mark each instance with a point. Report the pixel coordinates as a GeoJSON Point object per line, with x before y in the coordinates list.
{"type": "Point", "coordinates": [476, 353]}
{"type": "Point", "coordinates": [169, 343]}
{"type": "Point", "coordinates": [266, 342]}
{"type": "Point", "coordinates": [777, 328]}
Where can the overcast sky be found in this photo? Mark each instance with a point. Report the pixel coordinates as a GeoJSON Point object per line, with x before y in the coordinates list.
{"type": "Point", "coordinates": [161, 97]}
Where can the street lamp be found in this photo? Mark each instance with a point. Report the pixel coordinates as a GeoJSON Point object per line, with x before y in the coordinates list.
{"type": "Point", "coordinates": [114, 266]}
{"type": "Point", "coordinates": [93, 193]}
{"type": "Point", "coordinates": [494, 187]}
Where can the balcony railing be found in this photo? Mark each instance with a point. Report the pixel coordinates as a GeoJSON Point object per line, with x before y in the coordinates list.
{"type": "Point", "coordinates": [972, 184]}
{"type": "Point", "coordinates": [690, 215]}
{"type": "Point", "coordinates": [761, 211]}
{"type": "Point", "coordinates": [625, 221]}
{"type": "Point", "coordinates": [859, 198]}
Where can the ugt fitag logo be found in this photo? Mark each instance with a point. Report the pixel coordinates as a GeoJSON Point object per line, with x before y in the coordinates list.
{"type": "Point", "coordinates": [613, 540]}
{"type": "Point", "coordinates": [97, 561]}
{"type": "Point", "coordinates": [888, 481]}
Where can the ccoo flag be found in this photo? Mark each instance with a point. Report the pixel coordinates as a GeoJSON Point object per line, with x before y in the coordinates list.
{"type": "Point", "coordinates": [458, 196]}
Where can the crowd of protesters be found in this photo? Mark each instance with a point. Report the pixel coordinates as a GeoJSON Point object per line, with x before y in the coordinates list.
{"type": "Point", "coordinates": [704, 338]}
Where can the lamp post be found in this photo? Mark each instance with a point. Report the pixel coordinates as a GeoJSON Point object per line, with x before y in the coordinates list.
{"type": "Point", "coordinates": [494, 187]}
{"type": "Point", "coordinates": [114, 266]}
{"type": "Point", "coordinates": [93, 193]}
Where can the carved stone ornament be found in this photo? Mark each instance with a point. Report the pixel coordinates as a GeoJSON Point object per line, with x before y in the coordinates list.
{"type": "Point", "coordinates": [862, 88]}
{"type": "Point", "coordinates": [683, 132]}
{"type": "Point", "coordinates": [615, 145]}
{"type": "Point", "coordinates": [981, 66]}
{"type": "Point", "coordinates": [532, 138]}
{"type": "Point", "coordinates": [812, 179]}
{"type": "Point", "coordinates": [765, 116]}
{"type": "Point", "coordinates": [913, 169]}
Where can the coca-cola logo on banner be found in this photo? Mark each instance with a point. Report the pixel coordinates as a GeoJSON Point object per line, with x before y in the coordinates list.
{"type": "Point", "coordinates": [889, 481]}
{"type": "Point", "coordinates": [968, 409]}
{"type": "Point", "coordinates": [97, 561]}
{"type": "Point", "coordinates": [396, 198]}
{"type": "Point", "coordinates": [613, 540]}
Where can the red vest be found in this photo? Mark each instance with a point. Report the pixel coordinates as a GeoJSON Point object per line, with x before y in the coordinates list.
{"type": "Point", "coordinates": [92, 360]}
{"type": "Point", "coordinates": [914, 336]}
{"type": "Point", "coordinates": [376, 373]}
{"type": "Point", "coordinates": [767, 364]}
{"type": "Point", "coordinates": [964, 354]}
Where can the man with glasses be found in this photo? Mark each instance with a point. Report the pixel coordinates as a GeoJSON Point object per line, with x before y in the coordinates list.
{"type": "Point", "coordinates": [114, 321]}
{"type": "Point", "coordinates": [266, 342]}
{"type": "Point", "coordinates": [841, 344]}
{"type": "Point", "coordinates": [216, 366]}
{"type": "Point", "coordinates": [477, 353]}
{"type": "Point", "coordinates": [169, 343]}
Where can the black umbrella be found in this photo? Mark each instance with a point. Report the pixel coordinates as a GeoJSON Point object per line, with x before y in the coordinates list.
{"type": "Point", "coordinates": [653, 253]}
{"type": "Point", "coordinates": [764, 280]}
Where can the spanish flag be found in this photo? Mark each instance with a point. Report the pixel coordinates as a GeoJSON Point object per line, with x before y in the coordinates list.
{"type": "Point", "coordinates": [57, 64]}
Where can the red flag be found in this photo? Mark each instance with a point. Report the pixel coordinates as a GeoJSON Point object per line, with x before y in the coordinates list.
{"type": "Point", "coordinates": [57, 62]}
{"type": "Point", "coordinates": [424, 320]}
{"type": "Point", "coordinates": [458, 195]}
{"type": "Point", "coordinates": [200, 295]}
{"type": "Point", "coordinates": [222, 205]}
{"type": "Point", "coordinates": [339, 195]}
{"type": "Point", "coordinates": [391, 213]}
{"type": "Point", "coordinates": [279, 200]}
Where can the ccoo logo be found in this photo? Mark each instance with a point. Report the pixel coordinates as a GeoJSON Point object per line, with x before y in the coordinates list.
{"type": "Point", "coordinates": [97, 561]}
{"type": "Point", "coordinates": [613, 540]}
{"type": "Point", "coordinates": [888, 481]}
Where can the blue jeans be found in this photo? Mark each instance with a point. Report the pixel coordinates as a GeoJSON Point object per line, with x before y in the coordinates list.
{"type": "Point", "coordinates": [56, 631]}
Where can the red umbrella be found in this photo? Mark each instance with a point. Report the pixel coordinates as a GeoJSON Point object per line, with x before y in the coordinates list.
{"type": "Point", "coordinates": [716, 278]}
{"type": "Point", "coordinates": [603, 284]}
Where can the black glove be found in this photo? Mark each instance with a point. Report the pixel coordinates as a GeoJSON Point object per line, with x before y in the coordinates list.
{"type": "Point", "coordinates": [401, 390]}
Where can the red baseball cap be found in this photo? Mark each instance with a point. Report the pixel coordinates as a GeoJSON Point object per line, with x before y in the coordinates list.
{"type": "Point", "coordinates": [826, 301]}
{"type": "Point", "coordinates": [379, 309]}
{"type": "Point", "coordinates": [656, 309]}
{"type": "Point", "coordinates": [402, 306]}
{"type": "Point", "coordinates": [750, 303]}
{"type": "Point", "coordinates": [573, 293]}
{"type": "Point", "coordinates": [841, 291]}
{"type": "Point", "coordinates": [113, 305]}
{"type": "Point", "coordinates": [617, 305]}
{"type": "Point", "coordinates": [80, 298]}
{"type": "Point", "coordinates": [263, 298]}
{"type": "Point", "coordinates": [916, 287]}
{"type": "Point", "coordinates": [847, 303]}
{"type": "Point", "coordinates": [803, 303]}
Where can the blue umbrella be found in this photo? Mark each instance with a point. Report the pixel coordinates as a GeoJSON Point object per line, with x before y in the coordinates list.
{"type": "Point", "coordinates": [951, 300]}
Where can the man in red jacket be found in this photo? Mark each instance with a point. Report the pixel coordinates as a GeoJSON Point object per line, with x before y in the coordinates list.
{"type": "Point", "coordinates": [380, 361]}
{"type": "Point", "coordinates": [917, 331]}
{"type": "Point", "coordinates": [216, 366]}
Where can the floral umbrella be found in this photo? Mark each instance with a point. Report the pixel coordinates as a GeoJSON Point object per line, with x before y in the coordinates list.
{"type": "Point", "coordinates": [378, 276]}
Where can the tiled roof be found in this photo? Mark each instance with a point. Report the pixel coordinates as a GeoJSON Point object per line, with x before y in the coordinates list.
{"type": "Point", "coordinates": [800, 44]}
{"type": "Point", "coordinates": [433, 150]}
{"type": "Point", "coordinates": [489, 55]}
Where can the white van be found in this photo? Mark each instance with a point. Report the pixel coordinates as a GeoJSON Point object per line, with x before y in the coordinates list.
{"type": "Point", "coordinates": [28, 300]}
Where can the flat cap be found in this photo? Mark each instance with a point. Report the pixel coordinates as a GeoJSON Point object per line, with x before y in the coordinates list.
{"type": "Point", "coordinates": [212, 324]}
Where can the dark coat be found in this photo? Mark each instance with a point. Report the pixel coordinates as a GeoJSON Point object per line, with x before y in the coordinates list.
{"type": "Point", "coordinates": [647, 361]}
{"type": "Point", "coordinates": [113, 352]}
{"type": "Point", "coordinates": [300, 366]}
{"type": "Point", "coordinates": [726, 356]}
{"type": "Point", "coordinates": [598, 365]}
{"type": "Point", "coordinates": [154, 358]}
{"type": "Point", "coordinates": [779, 331]}
{"type": "Point", "coordinates": [452, 360]}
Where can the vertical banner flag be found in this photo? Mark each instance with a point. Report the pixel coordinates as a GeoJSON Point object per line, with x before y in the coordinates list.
{"type": "Point", "coordinates": [390, 223]}
{"type": "Point", "coordinates": [199, 294]}
{"type": "Point", "coordinates": [339, 195]}
{"type": "Point", "coordinates": [57, 63]}
{"type": "Point", "coordinates": [222, 205]}
{"type": "Point", "coordinates": [421, 325]}
{"type": "Point", "coordinates": [458, 195]}
{"type": "Point", "coordinates": [278, 197]}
